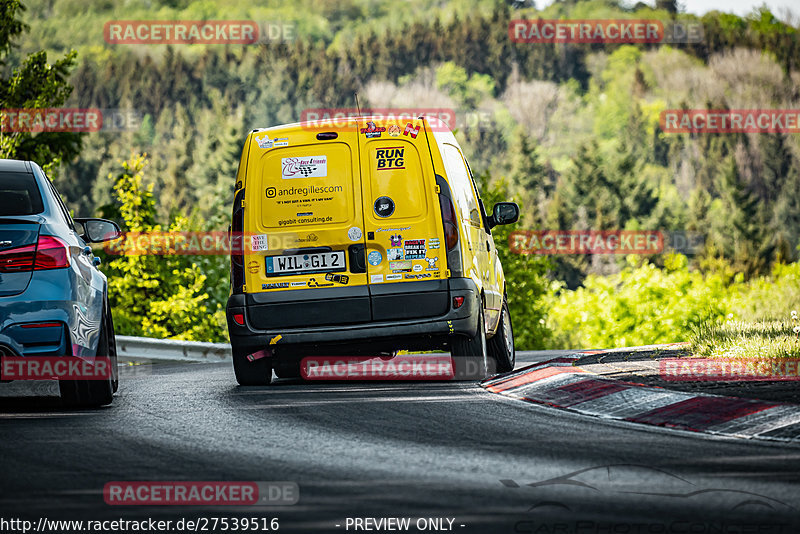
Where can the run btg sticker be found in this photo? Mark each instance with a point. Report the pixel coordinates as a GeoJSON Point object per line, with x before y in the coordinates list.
{"type": "Point", "coordinates": [390, 158]}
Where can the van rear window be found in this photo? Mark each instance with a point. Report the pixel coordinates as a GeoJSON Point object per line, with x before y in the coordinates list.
{"type": "Point", "coordinates": [19, 194]}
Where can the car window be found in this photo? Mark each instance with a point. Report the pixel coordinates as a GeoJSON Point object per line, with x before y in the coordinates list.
{"type": "Point", "coordinates": [463, 192]}
{"type": "Point", "coordinates": [61, 206]}
{"type": "Point", "coordinates": [19, 194]}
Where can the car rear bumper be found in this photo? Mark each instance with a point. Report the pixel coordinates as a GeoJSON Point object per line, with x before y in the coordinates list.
{"type": "Point", "coordinates": [384, 317]}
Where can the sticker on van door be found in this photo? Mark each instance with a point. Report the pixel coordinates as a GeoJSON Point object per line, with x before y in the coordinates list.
{"type": "Point", "coordinates": [414, 249]}
{"type": "Point", "coordinates": [390, 158]}
{"type": "Point", "coordinates": [384, 207]}
{"type": "Point", "coordinates": [265, 142]}
{"type": "Point", "coordinates": [309, 167]}
{"type": "Point", "coordinates": [372, 131]}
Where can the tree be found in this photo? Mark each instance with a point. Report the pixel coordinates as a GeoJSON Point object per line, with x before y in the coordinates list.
{"type": "Point", "coordinates": [529, 174]}
{"type": "Point", "coordinates": [736, 222]}
{"type": "Point", "coordinates": [156, 296]}
{"type": "Point", "coordinates": [526, 277]}
{"type": "Point", "coordinates": [33, 85]}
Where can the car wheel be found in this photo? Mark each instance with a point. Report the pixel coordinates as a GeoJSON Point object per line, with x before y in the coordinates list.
{"type": "Point", "coordinates": [94, 393]}
{"type": "Point", "coordinates": [112, 350]}
{"type": "Point", "coordinates": [255, 373]}
{"type": "Point", "coordinates": [501, 346]}
{"type": "Point", "coordinates": [470, 353]}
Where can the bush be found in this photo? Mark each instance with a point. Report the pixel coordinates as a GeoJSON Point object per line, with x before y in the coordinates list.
{"type": "Point", "coordinates": [153, 295]}
{"type": "Point", "coordinates": [641, 305]}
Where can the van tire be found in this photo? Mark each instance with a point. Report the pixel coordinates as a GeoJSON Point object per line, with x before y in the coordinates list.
{"type": "Point", "coordinates": [501, 345]}
{"type": "Point", "coordinates": [257, 373]}
{"type": "Point", "coordinates": [470, 353]}
{"type": "Point", "coordinates": [94, 393]}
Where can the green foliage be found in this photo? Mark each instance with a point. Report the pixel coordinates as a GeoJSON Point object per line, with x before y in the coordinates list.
{"type": "Point", "coordinates": [767, 298]}
{"type": "Point", "coordinates": [526, 278]}
{"type": "Point", "coordinates": [34, 84]}
{"type": "Point", "coordinates": [644, 304]}
{"type": "Point", "coordinates": [641, 305]}
{"type": "Point", "coordinates": [152, 295]}
{"type": "Point", "coordinates": [468, 90]}
{"type": "Point", "coordinates": [746, 341]}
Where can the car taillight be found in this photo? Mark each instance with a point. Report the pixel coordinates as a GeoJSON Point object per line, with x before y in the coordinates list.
{"type": "Point", "coordinates": [449, 220]}
{"type": "Point", "coordinates": [17, 259]}
{"type": "Point", "coordinates": [51, 253]}
{"type": "Point", "coordinates": [48, 253]}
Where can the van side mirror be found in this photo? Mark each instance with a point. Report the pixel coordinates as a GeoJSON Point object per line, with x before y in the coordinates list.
{"type": "Point", "coordinates": [504, 213]}
{"type": "Point", "coordinates": [98, 230]}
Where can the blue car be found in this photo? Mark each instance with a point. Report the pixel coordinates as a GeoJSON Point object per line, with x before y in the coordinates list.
{"type": "Point", "coordinates": [53, 298]}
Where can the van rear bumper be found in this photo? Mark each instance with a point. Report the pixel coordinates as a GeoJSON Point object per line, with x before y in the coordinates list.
{"type": "Point", "coordinates": [411, 327]}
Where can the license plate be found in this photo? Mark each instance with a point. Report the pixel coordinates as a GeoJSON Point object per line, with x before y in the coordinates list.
{"type": "Point", "coordinates": [302, 263]}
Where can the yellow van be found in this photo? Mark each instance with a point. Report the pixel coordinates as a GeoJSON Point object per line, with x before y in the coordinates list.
{"type": "Point", "coordinates": [363, 238]}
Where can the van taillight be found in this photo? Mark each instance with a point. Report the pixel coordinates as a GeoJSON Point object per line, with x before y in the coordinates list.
{"type": "Point", "coordinates": [48, 253]}
{"type": "Point", "coordinates": [237, 244]}
{"type": "Point", "coordinates": [449, 220]}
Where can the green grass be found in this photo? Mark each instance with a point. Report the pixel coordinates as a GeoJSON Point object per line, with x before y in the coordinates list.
{"type": "Point", "coordinates": [739, 340]}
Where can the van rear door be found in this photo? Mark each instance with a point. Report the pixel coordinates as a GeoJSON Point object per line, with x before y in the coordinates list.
{"type": "Point", "coordinates": [304, 228]}
{"type": "Point", "coordinates": [402, 220]}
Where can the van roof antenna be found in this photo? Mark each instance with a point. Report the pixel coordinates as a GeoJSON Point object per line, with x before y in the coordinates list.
{"type": "Point", "coordinates": [355, 94]}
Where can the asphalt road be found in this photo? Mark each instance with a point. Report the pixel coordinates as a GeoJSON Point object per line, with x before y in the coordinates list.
{"type": "Point", "coordinates": [370, 449]}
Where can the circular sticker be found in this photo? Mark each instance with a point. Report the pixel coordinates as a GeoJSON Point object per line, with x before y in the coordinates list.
{"type": "Point", "coordinates": [374, 258]}
{"type": "Point", "coordinates": [354, 233]}
{"type": "Point", "coordinates": [417, 268]}
{"type": "Point", "coordinates": [384, 207]}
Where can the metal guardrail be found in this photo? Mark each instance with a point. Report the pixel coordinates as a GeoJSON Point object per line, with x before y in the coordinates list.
{"type": "Point", "coordinates": [141, 349]}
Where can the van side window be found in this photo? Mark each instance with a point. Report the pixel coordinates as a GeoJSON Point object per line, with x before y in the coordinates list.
{"type": "Point", "coordinates": [484, 217]}
{"type": "Point", "coordinates": [463, 193]}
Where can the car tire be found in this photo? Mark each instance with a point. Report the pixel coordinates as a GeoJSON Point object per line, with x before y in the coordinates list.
{"type": "Point", "coordinates": [470, 353]}
{"type": "Point", "coordinates": [95, 393]}
{"type": "Point", "coordinates": [112, 350]}
{"type": "Point", "coordinates": [255, 373]}
{"type": "Point", "coordinates": [501, 345]}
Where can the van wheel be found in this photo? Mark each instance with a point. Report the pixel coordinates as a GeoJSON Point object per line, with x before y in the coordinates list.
{"type": "Point", "coordinates": [94, 393]}
{"type": "Point", "coordinates": [501, 346]}
{"type": "Point", "coordinates": [257, 373]}
{"type": "Point", "coordinates": [470, 353]}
